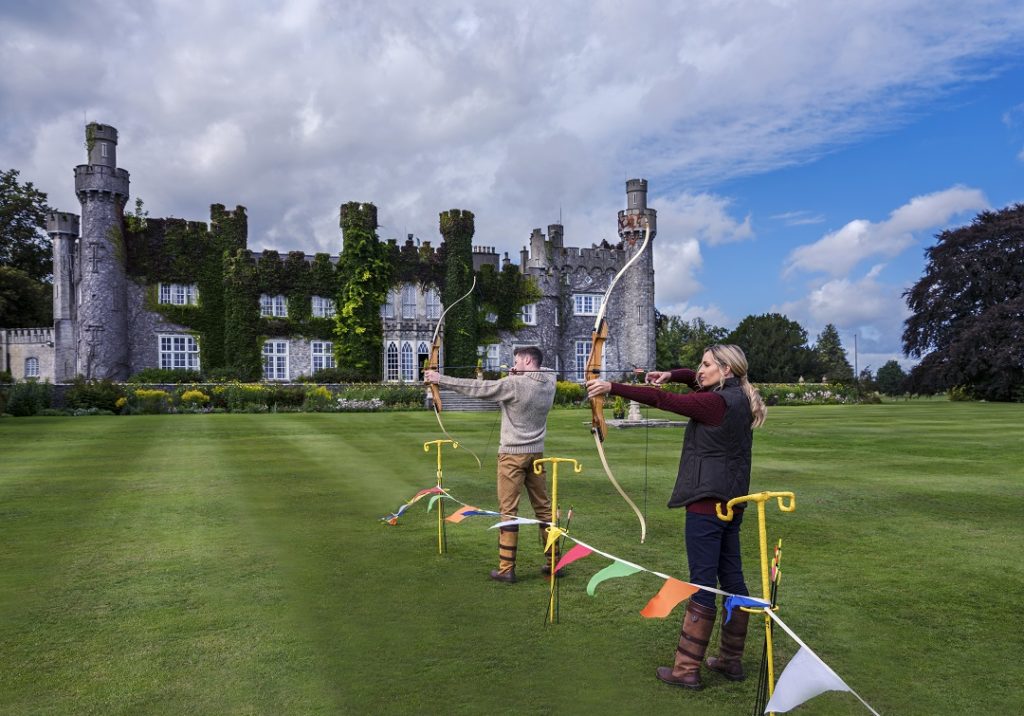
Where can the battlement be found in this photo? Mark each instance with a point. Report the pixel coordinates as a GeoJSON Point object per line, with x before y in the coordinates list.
{"type": "Point", "coordinates": [29, 335]}
{"type": "Point", "coordinates": [62, 222]}
{"type": "Point", "coordinates": [101, 178]}
{"type": "Point", "coordinates": [484, 250]}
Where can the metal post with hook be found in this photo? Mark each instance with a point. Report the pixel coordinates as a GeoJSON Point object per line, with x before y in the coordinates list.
{"type": "Point", "coordinates": [442, 542]}
{"type": "Point", "coordinates": [760, 498]}
{"type": "Point", "coordinates": [555, 531]}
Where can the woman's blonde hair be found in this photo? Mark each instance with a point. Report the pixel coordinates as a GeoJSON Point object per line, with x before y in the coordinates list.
{"type": "Point", "coordinates": [732, 357]}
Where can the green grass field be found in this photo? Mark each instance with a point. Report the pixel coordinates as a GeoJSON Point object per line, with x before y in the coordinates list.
{"type": "Point", "coordinates": [235, 564]}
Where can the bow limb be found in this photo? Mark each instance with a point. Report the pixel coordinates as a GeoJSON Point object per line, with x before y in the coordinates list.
{"type": "Point", "coordinates": [615, 483]}
{"type": "Point", "coordinates": [434, 364]}
{"type": "Point", "coordinates": [597, 422]}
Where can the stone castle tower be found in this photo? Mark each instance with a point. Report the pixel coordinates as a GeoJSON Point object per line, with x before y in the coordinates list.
{"type": "Point", "coordinates": [636, 325]}
{"type": "Point", "coordinates": [90, 282]}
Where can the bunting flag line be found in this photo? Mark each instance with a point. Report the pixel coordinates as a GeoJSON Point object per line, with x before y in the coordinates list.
{"type": "Point", "coordinates": [805, 677]}
{"type": "Point", "coordinates": [738, 601]}
{"type": "Point", "coordinates": [616, 569]}
{"type": "Point", "coordinates": [468, 511]}
{"type": "Point", "coordinates": [578, 551]}
{"type": "Point", "coordinates": [392, 519]}
{"type": "Point", "coordinates": [671, 593]}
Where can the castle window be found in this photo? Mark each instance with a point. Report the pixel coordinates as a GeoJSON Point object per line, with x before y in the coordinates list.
{"type": "Point", "coordinates": [275, 360]}
{"type": "Point", "coordinates": [422, 355]}
{"type": "Point", "coordinates": [273, 306]}
{"type": "Point", "coordinates": [586, 304]}
{"type": "Point", "coordinates": [433, 304]}
{"type": "Point", "coordinates": [408, 362]}
{"type": "Point", "coordinates": [391, 362]}
{"type": "Point", "coordinates": [179, 352]}
{"type": "Point", "coordinates": [323, 307]}
{"type": "Point", "coordinates": [582, 356]}
{"type": "Point", "coordinates": [408, 301]}
{"type": "Point", "coordinates": [179, 294]}
{"type": "Point", "coordinates": [530, 314]}
{"type": "Point", "coordinates": [322, 353]}
{"type": "Point", "coordinates": [103, 149]}
{"type": "Point", "coordinates": [388, 309]}
{"type": "Point", "coordinates": [491, 356]}
{"type": "Point", "coordinates": [31, 367]}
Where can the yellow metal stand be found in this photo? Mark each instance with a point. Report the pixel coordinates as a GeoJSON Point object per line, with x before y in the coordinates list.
{"type": "Point", "coordinates": [555, 532]}
{"type": "Point", "coordinates": [442, 542]}
{"type": "Point", "coordinates": [760, 498]}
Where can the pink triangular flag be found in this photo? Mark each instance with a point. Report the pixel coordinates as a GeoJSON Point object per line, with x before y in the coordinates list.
{"type": "Point", "coordinates": [577, 552]}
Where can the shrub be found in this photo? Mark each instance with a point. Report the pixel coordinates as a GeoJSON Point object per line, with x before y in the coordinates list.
{"type": "Point", "coordinates": [145, 401]}
{"type": "Point", "coordinates": [240, 398]}
{"type": "Point", "coordinates": [165, 375]}
{"type": "Point", "coordinates": [84, 394]}
{"type": "Point", "coordinates": [960, 393]}
{"type": "Point", "coordinates": [319, 400]}
{"type": "Point", "coordinates": [569, 393]}
{"type": "Point", "coordinates": [28, 398]}
{"type": "Point", "coordinates": [193, 398]}
{"type": "Point", "coordinates": [6, 377]}
{"type": "Point", "coordinates": [284, 396]}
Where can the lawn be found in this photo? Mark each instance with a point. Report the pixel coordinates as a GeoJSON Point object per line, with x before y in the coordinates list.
{"type": "Point", "coordinates": [235, 564]}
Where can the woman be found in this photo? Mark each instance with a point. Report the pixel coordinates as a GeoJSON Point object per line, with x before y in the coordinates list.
{"type": "Point", "coordinates": [713, 469]}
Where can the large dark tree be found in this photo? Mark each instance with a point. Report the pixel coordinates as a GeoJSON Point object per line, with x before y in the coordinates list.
{"type": "Point", "coordinates": [776, 348]}
{"type": "Point", "coordinates": [831, 357]}
{"type": "Point", "coordinates": [680, 343]}
{"type": "Point", "coordinates": [24, 302]}
{"type": "Point", "coordinates": [967, 322]}
{"type": "Point", "coordinates": [23, 241]}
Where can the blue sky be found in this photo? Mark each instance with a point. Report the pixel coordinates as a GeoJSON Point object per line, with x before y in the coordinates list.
{"type": "Point", "coordinates": [801, 155]}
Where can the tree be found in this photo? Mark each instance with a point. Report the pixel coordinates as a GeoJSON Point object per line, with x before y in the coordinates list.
{"type": "Point", "coordinates": [890, 378]}
{"type": "Point", "coordinates": [24, 302]}
{"type": "Point", "coordinates": [831, 357]}
{"type": "Point", "coordinates": [776, 348]}
{"type": "Point", "coordinates": [679, 343]}
{"type": "Point", "coordinates": [23, 241]}
{"type": "Point", "coordinates": [967, 322]}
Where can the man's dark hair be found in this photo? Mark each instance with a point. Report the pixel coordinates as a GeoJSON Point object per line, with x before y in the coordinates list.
{"type": "Point", "coordinates": [533, 351]}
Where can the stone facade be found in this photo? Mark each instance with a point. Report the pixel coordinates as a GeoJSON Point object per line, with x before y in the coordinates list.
{"type": "Point", "coordinates": [104, 325]}
{"type": "Point", "coordinates": [27, 352]}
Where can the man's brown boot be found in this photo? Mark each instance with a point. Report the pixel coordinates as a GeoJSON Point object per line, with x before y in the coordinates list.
{"type": "Point", "coordinates": [693, 642]}
{"type": "Point", "coordinates": [729, 662]}
{"type": "Point", "coordinates": [508, 543]}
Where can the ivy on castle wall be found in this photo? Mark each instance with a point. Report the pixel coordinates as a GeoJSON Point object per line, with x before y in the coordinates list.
{"type": "Point", "coordinates": [367, 271]}
{"type": "Point", "coordinates": [503, 294]}
{"type": "Point", "coordinates": [242, 354]}
{"type": "Point", "coordinates": [461, 335]}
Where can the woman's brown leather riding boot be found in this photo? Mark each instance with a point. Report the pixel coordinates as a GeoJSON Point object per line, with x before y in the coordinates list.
{"type": "Point", "coordinates": [693, 642]}
{"type": "Point", "coordinates": [729, 662]}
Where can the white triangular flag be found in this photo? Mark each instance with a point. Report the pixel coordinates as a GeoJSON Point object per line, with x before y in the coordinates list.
{"type": "Point", "coordinates": [804, 677]}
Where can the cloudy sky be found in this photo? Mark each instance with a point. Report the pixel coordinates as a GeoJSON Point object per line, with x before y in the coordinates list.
{"type": "Point", "coordinates": [801, 155]}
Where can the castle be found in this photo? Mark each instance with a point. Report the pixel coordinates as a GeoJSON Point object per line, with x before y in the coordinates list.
{"type": "Point", "coordinates": [123, 303]}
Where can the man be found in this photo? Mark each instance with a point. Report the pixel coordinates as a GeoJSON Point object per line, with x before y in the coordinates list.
{"type": "Point", "coordinates": [525, 398]}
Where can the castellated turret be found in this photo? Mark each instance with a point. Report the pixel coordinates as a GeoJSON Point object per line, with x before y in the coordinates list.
{"type": "Point", "coordinates": [636, 324]}
{"type": "Point", "coordinates": [99, 268]}
{"type": "Point", "coordinates": [62, 228]}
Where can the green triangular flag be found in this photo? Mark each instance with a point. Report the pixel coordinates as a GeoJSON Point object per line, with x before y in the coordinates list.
{"type": "Point", "coordinates": [615, 569]}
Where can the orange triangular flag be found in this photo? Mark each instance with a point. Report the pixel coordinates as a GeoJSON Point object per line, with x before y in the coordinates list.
{"type": "Point", "coordinates": [672, 592]}
{"type": "Point", "coordinates": [460, 514]}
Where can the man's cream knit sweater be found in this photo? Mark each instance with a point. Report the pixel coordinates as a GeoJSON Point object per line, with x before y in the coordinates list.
{"type": "Point", "coordinates": [525, 400]}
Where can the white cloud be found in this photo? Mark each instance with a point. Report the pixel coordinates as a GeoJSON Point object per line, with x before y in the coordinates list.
{"type": "Point", "coordinates": [676, 266]}
{"type": "Point", "coordinates": [838, 252]}
{"type": "Point", "coordinates": [867, 306]}
{"type": "Point", "coordinates": [701, 216]}
{"type": "Point", "coordinates": [510, 110]}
